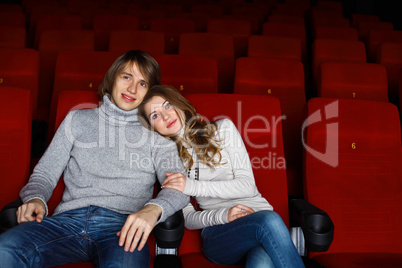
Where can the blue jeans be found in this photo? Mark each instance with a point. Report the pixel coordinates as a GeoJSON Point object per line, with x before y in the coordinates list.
{"type": "Point", "coordinates": [81, 235]}
{"type": "Point", "coordinates": [260, 239]}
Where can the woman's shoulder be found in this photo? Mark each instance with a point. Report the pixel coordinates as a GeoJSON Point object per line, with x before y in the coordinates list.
{"type": "Point", "coordinates": [225, 123]}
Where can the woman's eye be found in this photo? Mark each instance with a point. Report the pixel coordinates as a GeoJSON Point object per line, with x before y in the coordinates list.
{"type": "Point", "coordinates": [167, 105]}
{"type": "Point", "coordinates": [143, 84]}
{"type": "Point", "coordinates": [154, 116]}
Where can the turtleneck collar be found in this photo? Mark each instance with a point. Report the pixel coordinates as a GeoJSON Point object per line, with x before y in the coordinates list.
{"type": "Point", "coordinates": [112, 111]}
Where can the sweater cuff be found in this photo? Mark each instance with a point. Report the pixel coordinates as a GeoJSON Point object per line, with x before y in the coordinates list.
{"type": "Point", "coordinates": [189, 187]}
{"type": "Point", "coordinates": [224, 216]}
{"type": "Point", "coordinates": [39, 198]}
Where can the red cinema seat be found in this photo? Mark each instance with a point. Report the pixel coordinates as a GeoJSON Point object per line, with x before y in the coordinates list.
{"type": "Point", "coordinates": [215, 10]}
{"type": "Point", "coordinates": [248, 113]}
{"type": "Point", "coordinates": [340, 33]}
{"type": "Point", "coordinates": [287, 30]}
{"type": "Point", "coordinates": [217, 46]}
{"type": "Point", "coordinates": [287, 19]}
{"type": "Point", "coordinates": [331, 5]}
{"type": "Point", "coordinates": [78, 70]}
{"type": "Point", "coordinates": [376, 37]}
{"type": "Point", "coordinates": [56, 22]}
{"type": "Point", "coordinates": [124, 40]}
{"type": "Point", "coordinates": [390, 55]}
{"type": "Point", "coordinates": [15, 74]}
{"type": "Point", "coordinates": [172, 28]}
{"type": "Point", "coordinates": [284, 80]}
{"type": "Point", "coordinates": [145, 16]}
{"type": "Point", "coordinates": [349, 80]}
{"type": "Point", "coordinates": [15, 145]}
{"type": "Point", "coordinates": [275, 47]}
{"type": "Point", "coordinates": [356, 18]}
{"type": "Point", "coordinates": [36, 9]}
{"type": "Point", "coordinates": [289, 9]}
{"type": "Point", "coordinates": [319, 12]}
{"type": "Point", "coordinates": [50, 44]}
{"type": "Point", "coordinates": [103, 25]}
{"type": "Point", "coordinates": [189, 74]}
{"type": "Point", "coordinates": [11, 7]}
{"type": "Point", "coordinates": [364, 28]}
{"type": "Point", "coordinates": [200, 19]}
{"type": "Point", "coordinates": [12, 18]}
{"type": "Point", "coordinates": [13, 37]}
{"type": "Point", "coordinates": [324, 50]}
{"type": "Point", "coordinates": [331, 22]}
{"type": "Point", "coordinates": [352, 169]}
{"type": "Point", "coordinates": [239, 29]}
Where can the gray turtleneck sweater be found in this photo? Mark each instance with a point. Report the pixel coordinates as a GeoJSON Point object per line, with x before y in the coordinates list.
{"type": "Point", "coordinates": [108, 160]}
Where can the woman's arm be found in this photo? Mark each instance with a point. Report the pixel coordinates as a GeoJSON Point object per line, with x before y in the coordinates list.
{"type": "Point", "coordinates": [200, 219]}
{"type": "Point", "coordinates": [243, 183]}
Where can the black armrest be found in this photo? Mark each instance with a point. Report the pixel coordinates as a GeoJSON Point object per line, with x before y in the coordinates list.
{"type": "Point", "coordinates": [8, 216]}
{"type": "Point", "coordinates": [317, 226]}
{"type": "Point", "coordinates": [168, 234]}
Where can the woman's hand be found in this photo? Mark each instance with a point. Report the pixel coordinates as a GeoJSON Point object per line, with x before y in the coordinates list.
{"type": "Point", "coordinates": [175, 181]}
{"type": "Point", "coordinates": [239, 211]}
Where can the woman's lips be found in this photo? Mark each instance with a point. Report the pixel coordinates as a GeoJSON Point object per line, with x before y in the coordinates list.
{"type": "Point", "coordinates": [171, 123]}
{"type": "Point", "coordinates": [128, 98]}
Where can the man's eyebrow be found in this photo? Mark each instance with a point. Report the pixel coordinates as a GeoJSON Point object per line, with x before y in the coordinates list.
{"type": "Point", "coordinates": [127, 73]}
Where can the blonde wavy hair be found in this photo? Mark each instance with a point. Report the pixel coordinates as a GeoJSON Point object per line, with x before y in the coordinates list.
{"type": "Point", "coordinates": [200, 135]}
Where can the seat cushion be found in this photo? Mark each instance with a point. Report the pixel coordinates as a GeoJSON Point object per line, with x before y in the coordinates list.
{"type": "Point", "coordinates": [360, 260]}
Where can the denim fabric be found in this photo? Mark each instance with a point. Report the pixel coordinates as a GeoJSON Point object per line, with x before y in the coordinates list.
{"type": "Point", "coordinates": [240, 241]}
{"type": "Point", "coordinates": [81, 235]}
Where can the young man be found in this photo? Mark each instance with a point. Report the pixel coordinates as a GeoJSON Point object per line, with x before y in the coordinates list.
{"type": "Point", "coordinates": [109, 161]}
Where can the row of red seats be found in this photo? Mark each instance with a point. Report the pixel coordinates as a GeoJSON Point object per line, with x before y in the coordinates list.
{"type": "Point", "coordinates": [284, 79]}
{"type": "Point", "coordinates": [352, 151]}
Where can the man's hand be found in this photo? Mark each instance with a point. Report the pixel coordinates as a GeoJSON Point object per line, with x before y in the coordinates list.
{"type": "Point", "coordinates": [31, 211]}
{"type": "Point", "coordinates": [138, 226]}
{"type": "Point", "coordinates": [175, 181]}
{"type": "Point", "coordinates": [238, 211]}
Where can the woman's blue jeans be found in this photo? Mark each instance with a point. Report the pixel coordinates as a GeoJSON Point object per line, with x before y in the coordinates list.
{"type": "Point", "coordinates": [260, 239]}
{"type": "Point", "coordinates": [81, 235]}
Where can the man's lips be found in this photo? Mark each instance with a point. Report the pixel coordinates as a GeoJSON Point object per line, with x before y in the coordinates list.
{"type": "Point", "coordinates": [128, 98]}
{"type": "Point", "coordinates": [171, 123]}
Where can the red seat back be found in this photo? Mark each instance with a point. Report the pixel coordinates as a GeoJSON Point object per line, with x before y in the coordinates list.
{"type": "Point", "coordinates": [15, 141]}
{"type": "Point", "coordinates": [353, 172]}
{"type": "Point", "coordinates": [349, 80]}
{"type": "Point", "coordinates": [284, 80]}
{"type": "Point", "coordinates": [189, 74]}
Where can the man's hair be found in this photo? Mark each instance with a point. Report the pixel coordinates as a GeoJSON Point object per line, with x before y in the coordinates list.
{"type": "Point", "coordinates": [146, 64]}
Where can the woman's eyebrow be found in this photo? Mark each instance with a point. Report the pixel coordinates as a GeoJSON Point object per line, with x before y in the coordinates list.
{"type": "Point", "coordinates": [155, 111]}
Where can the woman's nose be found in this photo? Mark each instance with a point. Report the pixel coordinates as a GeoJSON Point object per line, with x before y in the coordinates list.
{"type": "Point", "coordinates": [165, 116]}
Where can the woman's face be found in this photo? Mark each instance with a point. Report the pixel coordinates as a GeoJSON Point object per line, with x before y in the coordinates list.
{"type": "Point", "coordinates": [129, 88]}
{"type": "Point", "coordinates": [163, 117]}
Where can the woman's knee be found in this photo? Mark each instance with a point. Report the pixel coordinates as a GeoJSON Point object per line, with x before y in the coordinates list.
{"type": "Point", "coordinates": [272, 222]}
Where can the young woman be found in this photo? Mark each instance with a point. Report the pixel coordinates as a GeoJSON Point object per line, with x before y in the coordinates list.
{"type": "Point", "coordinates": [238, 223]}
{"type": "Point", "coordinates": [107, 211]}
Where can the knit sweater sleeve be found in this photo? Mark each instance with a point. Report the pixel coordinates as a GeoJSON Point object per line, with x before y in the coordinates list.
{"type": "Point", "coordinates": [51, 165]}
{"type": "Point", "coordinates": [166, 159]}
{"type": "Point", "coordinates": [243, 183]}
{"type": "Point", "coordinates": [200, 219]}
